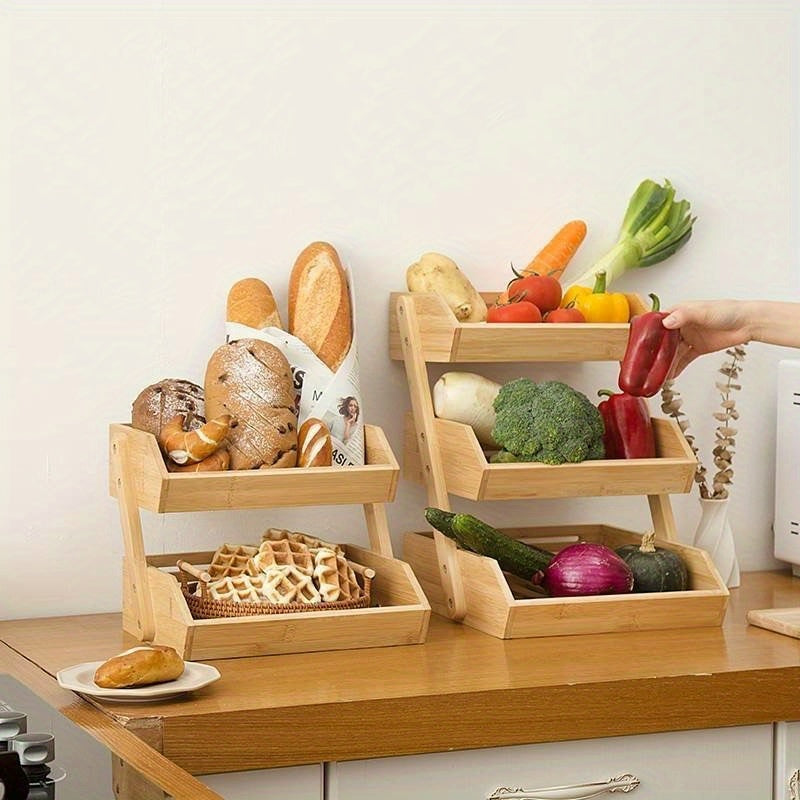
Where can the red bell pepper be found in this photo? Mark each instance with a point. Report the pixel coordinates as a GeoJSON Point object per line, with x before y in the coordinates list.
{"type": "Point", "coordinates": [628, 427]}
{"type": "Point", "coordinates": [649, 355]}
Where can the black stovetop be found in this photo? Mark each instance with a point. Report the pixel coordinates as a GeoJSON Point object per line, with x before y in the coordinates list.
{"type": "Point", "coordinates": [87, 763]}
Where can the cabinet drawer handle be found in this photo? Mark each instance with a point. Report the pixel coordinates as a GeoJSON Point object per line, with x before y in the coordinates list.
{"type": "Point", "coordinates": [622, 783]}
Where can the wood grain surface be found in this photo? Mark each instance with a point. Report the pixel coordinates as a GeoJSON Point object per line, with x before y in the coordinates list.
{"type": "Point", "coordinates": [460, 689]}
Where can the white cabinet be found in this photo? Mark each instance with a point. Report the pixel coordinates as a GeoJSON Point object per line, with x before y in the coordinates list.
{"type": "Point", "coordinates": [787, 761]}
{"type": "Point", "coordinates": [730, 763]}
{"type": "Point", "coordinates": [297, 783]}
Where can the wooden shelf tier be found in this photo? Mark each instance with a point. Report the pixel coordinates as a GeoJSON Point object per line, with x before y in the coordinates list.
{"type": "Point", "coordinates": [492, 608]}
{"type": "Point", "coordinates": [161, 491]}
{"type": "Point", "coordinates": [446, 340]}
{"type": "Point", "coordinates": [399, 614]}
{"type": "Point", "coordinates": [468, 474]}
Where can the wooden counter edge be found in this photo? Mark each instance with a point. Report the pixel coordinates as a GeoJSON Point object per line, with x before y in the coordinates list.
{"type": "Point", "coordinates": [412, 726]}
{"type": "Point", "coordinates": [129, 750]}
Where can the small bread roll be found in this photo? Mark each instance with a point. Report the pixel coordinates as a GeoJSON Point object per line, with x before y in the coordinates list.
{"type": "Point", "coordinates": [319, 304]}
{"type": "Point", "coordinates": [250, 302]}
{"type": "Point", "coordinates": [140, 666]}
{"type": "Point", "coordinates": [314, 444]}
{"type": "Point", "coordinates": [218, 461]}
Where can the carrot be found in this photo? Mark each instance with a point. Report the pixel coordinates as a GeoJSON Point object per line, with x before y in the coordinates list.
{"type": "Point", "coordinates": [553, 258]}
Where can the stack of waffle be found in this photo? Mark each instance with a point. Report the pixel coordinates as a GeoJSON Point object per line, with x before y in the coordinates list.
{"type": "Point", "coordinates": [287, 567]}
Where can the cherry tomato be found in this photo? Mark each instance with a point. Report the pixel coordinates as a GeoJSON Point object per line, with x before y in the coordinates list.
{"type": "Point", "coordinates": [544, 291]}
{"type": "Point", "coordinates": [564, 315]}
{"type": "Point", "coordinates": [514, 312]}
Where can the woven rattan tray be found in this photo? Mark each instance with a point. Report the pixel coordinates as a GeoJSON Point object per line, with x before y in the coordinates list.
{"type": "Point", "coordinates": [202, 606]}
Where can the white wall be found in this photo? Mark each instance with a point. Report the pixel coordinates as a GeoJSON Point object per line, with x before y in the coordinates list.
{"type": "Point", "coordinates": [155, 153]}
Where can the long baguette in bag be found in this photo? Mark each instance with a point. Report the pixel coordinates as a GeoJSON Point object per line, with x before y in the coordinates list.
{"type": "Point", "coordinates": [319, 304]}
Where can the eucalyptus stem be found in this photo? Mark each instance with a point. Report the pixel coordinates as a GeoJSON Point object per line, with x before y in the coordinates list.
{"type": "Point", "coordinates": [724, 434]}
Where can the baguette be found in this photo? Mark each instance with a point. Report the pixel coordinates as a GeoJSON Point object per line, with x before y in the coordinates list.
{"type": "Point", "coordinates": [314, 444]}
{"type": "Point", "coordinates": [251, 303]}
{"type": "Point", "coordinates": [319, 304]}
{"type": "Point", "coordinates": [140, 666]}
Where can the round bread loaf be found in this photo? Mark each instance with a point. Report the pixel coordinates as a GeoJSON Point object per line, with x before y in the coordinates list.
{"type": "Point", "coordinates": [156, 405]}
{"type": "Point", "coordinates": [251, 380]}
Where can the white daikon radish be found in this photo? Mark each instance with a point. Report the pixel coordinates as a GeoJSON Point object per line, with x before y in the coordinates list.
{"type": "Point", "coordinates": [467, 398]}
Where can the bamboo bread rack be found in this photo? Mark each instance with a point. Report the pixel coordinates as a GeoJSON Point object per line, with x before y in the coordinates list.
{"type": "Point", "coordinates": [447, 458]}
{"type": "Point", "coordinates": [154, 606]}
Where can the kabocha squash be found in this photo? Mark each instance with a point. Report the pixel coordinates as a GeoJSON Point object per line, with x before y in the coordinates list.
{"type": "Point", "coordinates": [655, 569]}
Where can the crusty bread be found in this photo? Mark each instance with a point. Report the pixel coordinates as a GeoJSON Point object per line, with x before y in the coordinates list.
{"type": "Point", "coordinates": [314, 444]}
{"type": "Point", "coordinates": [218, 461]}
{"type": "Point", "coordinates": [140, 666]}
{"type": "Point", "coordinates": [251, 380]}
{"type": "Point", "coordinates": [250, 302]}
{"type": "Point", "coordinates": [160, 402]}
{"type": "Point", "coordinates": [319, 304]}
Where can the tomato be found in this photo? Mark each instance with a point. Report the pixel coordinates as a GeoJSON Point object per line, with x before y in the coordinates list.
{"type": "Point", "coordinates": [564, 315]}
{"type": "Point", "coordinates": [544, 291]}
{"type": "Point", "coordinates": [514, 312]}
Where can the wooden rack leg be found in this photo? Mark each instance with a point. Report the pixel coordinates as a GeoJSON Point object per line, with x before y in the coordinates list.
{"type": "Point", "coordinates": [430, 455]}
{"type": "Point", "coordinates": [663, 518]}
{"type": "Point", "coordinates": [378, 528]}
{"type": "Point", "coordinates": [133, 541]}
{"type": "Point", "coordinates": [130, 784]}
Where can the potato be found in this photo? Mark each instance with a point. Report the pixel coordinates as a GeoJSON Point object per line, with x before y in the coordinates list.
{"type": "Point", "coordinates": [440, 275]}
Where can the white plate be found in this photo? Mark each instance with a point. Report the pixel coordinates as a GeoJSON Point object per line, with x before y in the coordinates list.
{"type": "Point", "coordinates": [80, 678]}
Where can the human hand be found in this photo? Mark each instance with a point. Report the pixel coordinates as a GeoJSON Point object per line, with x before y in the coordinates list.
{"type": "Point", "coordinates": [707, 326]}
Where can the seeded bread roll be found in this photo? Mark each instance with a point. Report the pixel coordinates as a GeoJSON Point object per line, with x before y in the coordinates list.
{"type": "Point", "coordinates": [159, 403]}
{"type": "Point", "coordinates": [140, 666]}
{"type": "Point", "coordinates": [250, 302]}
{"type": "Point", "coordinates": [251, 380]}
{"type": "Point", "coordinates": [319, 304]}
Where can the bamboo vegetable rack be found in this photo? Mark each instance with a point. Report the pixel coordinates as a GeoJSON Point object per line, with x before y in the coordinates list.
{"type": "Point", "coordinates": [447, 459]}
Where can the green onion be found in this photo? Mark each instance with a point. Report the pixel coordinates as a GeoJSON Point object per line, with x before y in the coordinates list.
{"type": "Point", "coordinates": [655, 226]}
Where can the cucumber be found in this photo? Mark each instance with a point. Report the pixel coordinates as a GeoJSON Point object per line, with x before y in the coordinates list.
{"type": "Point", "coordinates": [512, 556]}
{"type": "Point", "coordinates": [441, 520]}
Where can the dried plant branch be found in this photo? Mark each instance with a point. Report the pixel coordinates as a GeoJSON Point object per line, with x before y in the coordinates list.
{"type": "Point", "coordinates": [725, 433]}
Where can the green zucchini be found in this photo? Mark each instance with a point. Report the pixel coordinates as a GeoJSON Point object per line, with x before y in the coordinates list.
{"type": "Point", "coordinates": [513, 556]}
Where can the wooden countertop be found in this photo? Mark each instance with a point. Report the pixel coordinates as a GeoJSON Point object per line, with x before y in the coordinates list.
{"type": "Point", "coordinates": [460, 689]}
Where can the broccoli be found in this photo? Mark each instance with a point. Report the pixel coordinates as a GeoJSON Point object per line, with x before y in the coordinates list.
{"type": "Point", "coordinates": [549, 422]}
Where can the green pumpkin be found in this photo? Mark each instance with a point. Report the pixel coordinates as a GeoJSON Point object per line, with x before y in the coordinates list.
{"type": "Point", "coordinates": [654, 569]}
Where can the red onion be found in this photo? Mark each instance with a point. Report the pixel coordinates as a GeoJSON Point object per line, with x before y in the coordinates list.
{"type": "Point", "coordinates": [587, 568]}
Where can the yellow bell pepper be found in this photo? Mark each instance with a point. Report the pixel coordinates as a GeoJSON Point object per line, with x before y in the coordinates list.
{"type": "Point", "coordinates": [596, 304]}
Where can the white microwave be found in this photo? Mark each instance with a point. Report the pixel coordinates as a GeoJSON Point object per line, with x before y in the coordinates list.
{"type": "Point", "coordinates": [787, 465]}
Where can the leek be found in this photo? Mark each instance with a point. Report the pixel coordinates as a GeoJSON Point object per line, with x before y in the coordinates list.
{"type": "Point", "coordinates": [655, 226]}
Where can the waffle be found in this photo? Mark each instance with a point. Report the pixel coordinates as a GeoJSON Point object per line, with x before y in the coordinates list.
{"type": "Point", "coordinates": [232, 560]}
{"type": "Point", "coordinates": [239, 588]}
{"type": "Point", "coordinates": [287, 584]}
{"type": "Point", "coordinates": [334, 576]}
{"type": "Point", "coordinates": [276, 534]}
{"type": "Point", "coordinates": [284, 553]}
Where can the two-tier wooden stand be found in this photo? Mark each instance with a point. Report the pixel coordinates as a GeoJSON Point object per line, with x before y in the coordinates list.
{"type": "Point", "coordinates": [447, 458]}
{"type": "Point", "coordinates": [154, 609]}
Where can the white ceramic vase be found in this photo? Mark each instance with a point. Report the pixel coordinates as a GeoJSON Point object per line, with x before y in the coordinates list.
{"type": "Point", "coordinates": [714, 535]}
